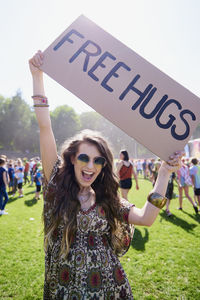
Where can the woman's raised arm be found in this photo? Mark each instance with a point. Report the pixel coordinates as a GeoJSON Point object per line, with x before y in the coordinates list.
{"type": "Point", "coordinates": [48, 148]}
{"type": "Point", "coordinates": [146, 216]}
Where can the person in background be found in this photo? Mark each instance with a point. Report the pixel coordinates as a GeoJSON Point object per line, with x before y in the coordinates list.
{"type": "Point", "coordinates": [20, 177]}
{"type": "Point", "coordinates": [195, 175]}
{"type": "Point", "coordinates": [11, 174]}
{"type": "Point", "coordinates": [139, 167]}
{"type": "Point", "coordinates": [3, 184]}
{"type": "Point", "coordinates": [16, 168]}
{"type": "Point", "coordinates": [20, 164]}
{"type": "Point", "coordinates": [154, 173]}
{"type": "Point", "coordinates": [151, 166]}
{"type": "Point", "coordinates": [125, 170]}
{"type": "Point", "coordinates": [3, 156]}
{"type": "Point", "coordinates": [38, 182]}
{"type": "Point", "coordinates": [144, 167]}
{"type": "Point", "coordinates": [26, 171]}
{"type": "Point", "coordinates": [36, 165]}
{"type": "Point", "coordinates": [184, 181]}
{"type": "Point", "coordinates": [169, 193]}
{"type": "Point", "coordinates": [31, 164]}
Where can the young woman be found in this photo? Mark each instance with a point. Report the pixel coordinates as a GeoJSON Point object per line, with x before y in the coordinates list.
{"type": "Point", "coordinates": [125, 170]}
{"type": "Point", "coordinates": [86, 223]}
{"type": "Point", "coordinates": [184, 182]}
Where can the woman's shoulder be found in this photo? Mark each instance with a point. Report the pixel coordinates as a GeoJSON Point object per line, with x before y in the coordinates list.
{"type": "Point", "coordinates": [127, 163]}
{"type": "Point", "coordinates": [119, 164]}
{"type": "Point", "coordinates": [56, 167]}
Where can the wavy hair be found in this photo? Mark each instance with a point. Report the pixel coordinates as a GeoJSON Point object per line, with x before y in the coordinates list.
{"type": "Point", "coordinates": [66, 204]}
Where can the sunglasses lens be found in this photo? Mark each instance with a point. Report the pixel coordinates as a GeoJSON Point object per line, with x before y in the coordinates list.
{"type": "Point", "coordinates": [83, 158]}
{"type": "Point", "coordinates": [100, 161]}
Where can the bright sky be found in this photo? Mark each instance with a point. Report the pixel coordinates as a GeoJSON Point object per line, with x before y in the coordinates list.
{"type": "Point", "coordinates": [165, 32]}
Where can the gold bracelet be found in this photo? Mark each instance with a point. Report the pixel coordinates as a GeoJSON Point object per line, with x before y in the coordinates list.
{"type": "Point", "coordinates": [157, 200]}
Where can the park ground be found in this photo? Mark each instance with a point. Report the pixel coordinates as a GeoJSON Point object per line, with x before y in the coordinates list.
{"type": "Point", "coordinates": [163, 261]}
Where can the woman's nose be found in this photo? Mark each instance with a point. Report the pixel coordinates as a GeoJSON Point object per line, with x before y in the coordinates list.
{"type": "Point", "coordinates": [90, 164]}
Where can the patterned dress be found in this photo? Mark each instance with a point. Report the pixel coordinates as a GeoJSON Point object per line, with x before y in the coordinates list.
{"type": "Point", "coordinates": [92, 270]}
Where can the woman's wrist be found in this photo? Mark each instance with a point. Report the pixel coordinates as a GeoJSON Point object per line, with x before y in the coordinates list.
{"type": "Point", "coordinates": [38, 85]}
{"type": "Point", "coordinates": [37, 75]}
{"type": "Point", "coordinates": [164, 170]}
{"type": "Point", "coordinates": [161, 183]}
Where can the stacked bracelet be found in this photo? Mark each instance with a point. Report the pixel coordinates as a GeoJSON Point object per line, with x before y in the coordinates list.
{"type": "Point", "coordinates": [40, 101]}
{"type": "Point", "coordinates": [41, 105]}
{"type": "Point", "coordinates": [157, 200]}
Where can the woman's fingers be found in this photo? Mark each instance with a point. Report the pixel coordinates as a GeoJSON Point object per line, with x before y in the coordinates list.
{"type": "Point", "coordinates": [41, 54]}
{"type": "Point", "coordinates": [174, 161]}
{"type": "Point", "coordinates": [36, 62]}
{"type": "Point", "coordinates": [37, 59]}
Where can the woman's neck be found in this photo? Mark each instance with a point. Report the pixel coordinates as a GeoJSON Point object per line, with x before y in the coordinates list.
{"type": "Point", "coordinates": [86, 197]}
{"type": "Point", "coordinates": [85, 190]}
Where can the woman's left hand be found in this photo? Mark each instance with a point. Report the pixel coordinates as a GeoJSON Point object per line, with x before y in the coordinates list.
{"type": "Point", "coordinates": [173, 164]}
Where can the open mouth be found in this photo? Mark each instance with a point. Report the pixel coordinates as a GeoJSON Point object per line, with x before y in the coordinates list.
{"type": "Point", "coordinates": [87, 176]}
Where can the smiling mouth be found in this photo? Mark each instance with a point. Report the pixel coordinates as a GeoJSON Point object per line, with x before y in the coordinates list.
{"type": "Point", "coordinates": [87, 175]}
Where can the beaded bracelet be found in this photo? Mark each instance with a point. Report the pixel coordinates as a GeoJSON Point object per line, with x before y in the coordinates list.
{"type": "Point", "coordinates": [39, 96]}
{"type": "Point", "coordinates": [157, 200]}
{"type": "Point", "coordinates": [40, 99]}
{"type": "Point", "coordinates": [41, 105]}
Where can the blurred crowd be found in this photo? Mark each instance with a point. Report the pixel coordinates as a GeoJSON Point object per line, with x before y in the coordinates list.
{"type": "Point", "coordinates": [188, 175]}
{"type": "Point", "coordinates": [15, 173]}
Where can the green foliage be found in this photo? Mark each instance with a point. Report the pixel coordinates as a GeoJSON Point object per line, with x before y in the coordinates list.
{"type": "Point", "coordinates": [65, 123]}
{"type": "Point", "coordinates": [162, 262]}
{"type": "Point", "coordinates": [90, 120]}
{"type": "Point", "coordinates": [20, 132]}
{"type": "Point", "coordinates": [117, 138]}
{"type": "Point", "coordinates": [15, 118]}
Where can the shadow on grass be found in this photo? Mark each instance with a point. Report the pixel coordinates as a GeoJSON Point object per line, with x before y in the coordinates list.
{"type": "Point", "coordinates": [30, 202]}
{"type": "Point", "coordinates": [138, 242]}
{"type": "Point", "coordinates": [194, 217]}
{"type": "Point", "coordinates": [178, 222]}
{"type": "Point", "coordinates": [31, 192]}
{"type": "Point", "coordinates": [12, 199]}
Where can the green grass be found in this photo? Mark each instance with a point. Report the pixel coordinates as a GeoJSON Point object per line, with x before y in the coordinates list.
{"type": "Point", "coordinates": [162, 263]}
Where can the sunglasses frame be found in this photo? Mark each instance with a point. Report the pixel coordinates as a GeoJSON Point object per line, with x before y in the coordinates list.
{"type": "Point", "coordinates": [89, 158]}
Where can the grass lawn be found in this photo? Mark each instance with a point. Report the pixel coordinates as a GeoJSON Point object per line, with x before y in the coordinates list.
{"type": "Point", "coordinates": [163, 261]}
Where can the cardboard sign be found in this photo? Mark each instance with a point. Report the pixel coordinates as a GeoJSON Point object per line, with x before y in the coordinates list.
{"type": "Point", "coordinates": [122, 86]}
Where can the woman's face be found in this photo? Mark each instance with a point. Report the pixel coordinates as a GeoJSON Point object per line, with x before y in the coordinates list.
{"type": "Point", "coordinates": [121, 156]}
{"type": "Point", "coordinates": [86, 171]}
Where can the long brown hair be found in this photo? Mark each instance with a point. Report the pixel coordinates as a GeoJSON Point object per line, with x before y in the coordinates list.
{"type": "Point", "coordinates": [66, 204]}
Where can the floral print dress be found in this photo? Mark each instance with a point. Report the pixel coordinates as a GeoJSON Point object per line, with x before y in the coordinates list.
{"type": "Point", "coordinates": [92, 270]}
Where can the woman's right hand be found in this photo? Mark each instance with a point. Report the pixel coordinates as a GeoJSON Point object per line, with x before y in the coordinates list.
{"type": "Point", "coordinates": [35, 63]}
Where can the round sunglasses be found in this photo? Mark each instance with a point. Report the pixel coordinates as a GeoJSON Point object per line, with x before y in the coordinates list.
{"type": "Point", "coordinates": [98, 161]}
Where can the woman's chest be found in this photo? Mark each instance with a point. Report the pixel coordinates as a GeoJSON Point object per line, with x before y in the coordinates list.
{"type": "Point", "coordinates": [93, 220]}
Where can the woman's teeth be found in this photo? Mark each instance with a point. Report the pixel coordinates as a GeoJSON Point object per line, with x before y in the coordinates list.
{"type": "Point", "coordinates": [87, 175]}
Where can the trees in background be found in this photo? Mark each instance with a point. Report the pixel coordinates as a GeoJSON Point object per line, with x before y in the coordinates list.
{"type": "Point", "coordinates": [65, 123]}
{"type": "Point", "coordinates": [19, 130]}
{"type": "Point", "coordinates": [118, 139]}
{"type": "Point", "coordinates": [15, 123]}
